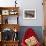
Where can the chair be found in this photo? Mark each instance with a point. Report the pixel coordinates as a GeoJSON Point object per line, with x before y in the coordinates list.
{"type": "Point", "coordinates": [29, 33]}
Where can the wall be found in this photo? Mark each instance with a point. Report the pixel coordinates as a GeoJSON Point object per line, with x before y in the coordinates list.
{"type": "Point", "coordinates": [27, 4]}
{"type": "Point", "coordinates": [33, 4]}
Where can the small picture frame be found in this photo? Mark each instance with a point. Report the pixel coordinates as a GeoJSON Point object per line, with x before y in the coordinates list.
{"type": "Point", "coordinates": [29, 14]}
{"type": "Point", "coordinates": [5, 12]}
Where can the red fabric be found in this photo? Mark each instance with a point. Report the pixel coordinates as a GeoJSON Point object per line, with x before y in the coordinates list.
{"type": "Point", "coordinates": [29, 33]}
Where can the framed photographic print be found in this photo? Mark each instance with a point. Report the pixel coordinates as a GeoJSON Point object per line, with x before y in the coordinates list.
{"type": "Point", "coordinates": [5, 12]}
{"type": "Point", "coordinates": [29, 14]}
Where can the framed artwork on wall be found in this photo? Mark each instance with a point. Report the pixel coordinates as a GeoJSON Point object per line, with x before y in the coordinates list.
{"type": "Point", "coordinates": [29, 14]}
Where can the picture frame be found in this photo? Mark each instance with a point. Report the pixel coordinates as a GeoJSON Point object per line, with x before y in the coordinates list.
{"type": "Point", "coordinates": [29, 14]}
{"type": "Point", "coordinates": [13, 12]}
{"type": "Point", "coordinates": [5, 12]}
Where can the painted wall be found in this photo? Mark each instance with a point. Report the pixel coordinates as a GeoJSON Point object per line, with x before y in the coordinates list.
{"type": "Point", "coordinates": [27, 4]}
{"type": "Point", "coordinates": [33, 4]}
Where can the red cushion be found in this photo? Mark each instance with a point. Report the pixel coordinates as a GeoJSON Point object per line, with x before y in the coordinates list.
{"type": "Point", "coordinates": [29, 33]}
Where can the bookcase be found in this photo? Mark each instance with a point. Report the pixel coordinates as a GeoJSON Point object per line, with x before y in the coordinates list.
{"type": "Point", "coordinates": [9, 27]}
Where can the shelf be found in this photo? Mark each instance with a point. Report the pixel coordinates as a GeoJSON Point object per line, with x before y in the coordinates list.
{"type": "Point", "coordinates": [10, 26]}
{"type": "Point", "coordinates": [9, 10]}
{"type": "Point", "coordinates": [11, 41]}
{"type": "Point", "coordinates": [6, 24]}
{"type": "Point", "coordinates": [11, 15]}
{"type": "Point", "coordinates": [5, 8]}
{"type": "Point", "coordinates": [5, 12]}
